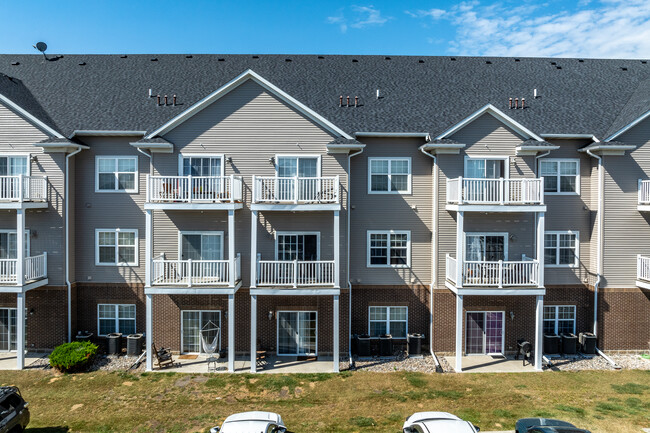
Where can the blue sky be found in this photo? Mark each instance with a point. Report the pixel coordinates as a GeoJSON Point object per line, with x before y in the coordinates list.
{"type": "Point", "coordinates": [580, 28]}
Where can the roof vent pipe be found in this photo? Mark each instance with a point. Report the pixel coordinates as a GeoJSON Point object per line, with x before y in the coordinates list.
{"type": "Point", "coordinates": [523, 103]}
{"type": "Point", "coordinates": [165, 100]}
{"type": "Point", "coordinates": [510, 102]}
{"type": "Point", "coordinates": [356, 101]}
{"type": "Point", "coordinates": [158, 100]}
{"type": "Point", "coordinates": [174, 100]}
{"type": "Point", "coordinates": [150, 94]}
{"type": "Point", "coordinates": [516, 103]}
{"type": "Point", "coordinates": [341, 101]}
{"type": "Point", "coordinates": [534, 93]}
{"type": "Point", "coordinates": [348, 100]}
{"type": "Point", "coordinates": [377, 93]}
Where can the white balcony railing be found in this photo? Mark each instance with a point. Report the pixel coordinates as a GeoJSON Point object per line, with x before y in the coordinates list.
{"type": "Point", "coordinates": [194, 272]}
{"type": "Point", "coordinates": [642, 268]}
{"type": "Point", "coordinates": [34, 268]}
{"type": "Point", "coordinates": [644, 192]}
{"type": "Point", "coordinates": [194, 189]}
{"type": "Point", "coordinates": [296, 190]}
{"type": "Point", "coordinates": [294, 273]}
{"type": "Point", "coordinates": [495, 191]}
{"type": "Point", "coordinates": [23, 188]}
{"type": "Point", "coordinates": [494, 274]}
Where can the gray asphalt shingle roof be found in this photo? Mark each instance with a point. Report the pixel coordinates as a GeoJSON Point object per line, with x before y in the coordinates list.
{"type": "Point", "coordinates": [421, 94]}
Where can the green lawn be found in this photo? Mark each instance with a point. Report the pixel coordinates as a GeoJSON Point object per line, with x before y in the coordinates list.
{"type": "Point", "coordinates": [610, 401]}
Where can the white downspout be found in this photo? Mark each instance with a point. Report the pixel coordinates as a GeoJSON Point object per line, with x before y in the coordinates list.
{"type": "Point", "coordinates": [599, 241]}
{"type": "Point", "coordinates": [67, 239]}
{"type": "Point", "coordinates": [350, 360]}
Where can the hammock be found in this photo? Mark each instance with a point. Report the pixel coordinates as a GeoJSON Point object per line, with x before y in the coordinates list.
{"type": "Point", "coordinates": [210, 334]}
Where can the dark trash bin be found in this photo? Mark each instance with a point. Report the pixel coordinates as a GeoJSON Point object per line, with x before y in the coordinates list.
{"type": "Point", "coordinates": [363, 345]}
{"type": "Point", "coordinates": [114, 343]}
{"type": "Point", "coordinates": [569, 344]}
{"type": "Point", "coordinates": [551, 344]}
{"type": "Point", "coordinates": [386, 345]}
{"type": "Point", "coordinates": [354, 344]}
{"type": "Point", "coordinates": [134, 344]}
{"type": "Point", "coordinates": [587, 343]}
{"type": "Point", "coordinates": [415, 344]}
{"type": "Point", "coordinates": [83, 336]}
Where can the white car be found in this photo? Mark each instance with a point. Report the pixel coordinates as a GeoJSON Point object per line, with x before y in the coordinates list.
{"type": "Point", "coordinates": [252, 422]}
{"type": "Point", "coordinates": [437, 422]}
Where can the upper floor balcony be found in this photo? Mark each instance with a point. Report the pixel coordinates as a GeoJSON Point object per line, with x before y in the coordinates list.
{"type": "Point", "coordinates": [296, 273]}
{"type": "Point", "coordinates": [192, 273]}
{"type": "Point", "coordinates": [493, 274]}
{"type": "Point", "coordinates": [23, 191]}
{"type": "Point", "coordinates": [194, 192]}
{"type": "Point", "coordinates": [496, 195]}
{"type": "Point", "coordinates": [643, 204]}
{"type": "Point", "coordinates": [296, 193]}
{"type": "Point", "coordinates": [643, 271]}
{"type": "Point", "coordinates": [34, 269]}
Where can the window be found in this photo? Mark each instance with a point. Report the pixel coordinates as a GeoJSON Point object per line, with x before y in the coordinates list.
{"type": "Point", "coordinates": [297, 246]}
{"type": "Point", "coordinates": [561, 249]}
{"type": "Point", "coordinates": [485, 168]}
{"type": "Point", "coordinates": [389, 249]}
{"type": "Point", "coordinates": [117, 173]}
{"type": "Point", "coordinates": [192, 323]}
{"type": "Point", "coordinates": [300, 166]}
{"type": "Point", "coordinates": [559, 319]}
{"type": "Point", "coordinates": [486, 247]}
{"type": "Point", "coordinates": [388, 320]}
{"type": "Point", "coordinates": [14, 165]}
{"type": "Point", "coordinates": [9, 246]}
{"type": "Point", "coordinates": [561, 176]}
{"type": "Point", "coordinates": [201, 165]}
{"type": "Point", "coordinates": [116, 247]}
{"type": "Point", "coordinates": [389, 175]}
{"type": "Point", "coordinates": [201, 245]}
{"type": "Point", "coordinates": [116, 318]}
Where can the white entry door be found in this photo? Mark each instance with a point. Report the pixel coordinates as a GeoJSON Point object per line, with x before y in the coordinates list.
{"type": "Point", "coordinates": [7, 329]}
{"type": "Point", "coordinates": [297, 333]}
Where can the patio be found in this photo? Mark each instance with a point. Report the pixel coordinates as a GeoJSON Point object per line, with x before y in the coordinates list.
{"type": "Point", "coordinates": [491, 364]}
{"type": "Point", "coordinates": [274, 364]}
{"type": "Point", "coordinates": [8, 359]}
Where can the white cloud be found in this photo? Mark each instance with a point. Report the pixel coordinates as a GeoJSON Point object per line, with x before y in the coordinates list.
{"type": "Point", "coordinates": [362, 16]}
{"type": "Point", "coordinates": [605, 28]}
{"type": "Point", "coordinates": [433, 13]}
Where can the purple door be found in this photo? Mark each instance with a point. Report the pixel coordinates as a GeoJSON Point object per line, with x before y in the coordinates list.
{"type": "Point", "coordinates": [484, 333]}
{"type": "Point", "coordinates": [494, 332]}
{"type": "Point", "coordinates": [475, 333]}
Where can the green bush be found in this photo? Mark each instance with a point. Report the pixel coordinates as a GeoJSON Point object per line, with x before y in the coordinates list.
{"type": "Point", "coordinates": [71, 357]}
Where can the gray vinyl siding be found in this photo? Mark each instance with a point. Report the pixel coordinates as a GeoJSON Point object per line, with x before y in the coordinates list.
{"type": "Point", "coordinates": [411, 212]}
{"type": "Point", "coordinates": [107, 210]}
{"type": "Point", "coordinates": [627, 231]}
{"type": "Point", "coordinates": [46, 226]}
{"type": "Point", "coordinates": [250, 125]}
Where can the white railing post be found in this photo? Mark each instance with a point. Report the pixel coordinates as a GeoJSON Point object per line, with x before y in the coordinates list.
{"type": "Point", "coordinates": [45, 264]}
{"type": "Point", "coordinates": [638, 267]}
{"type": "Point", "coordinates": [189, 272]}
{"type": "Point", "coordinates": [639, 194]}
{"type": "Point", "coordinates": [255, 189]}
{"type": "Point", "coordinates": [501, 191]}
{"type": "Point", "coordinates": [500, 273]}
{"type": "Point", "coordinates": [540, 190]}
{"type": "Point", "coordinates": [337, 188]}
{"type": "Point", "coordinates": [20, 188]}
{"type": "Point", "coordinates": [295, 274]}
{"type": "Point", "coordinates": [295, 189]}
{"type": "Point", "coordinates": [148, 186]}
{"type": "Point", "coordinates": [190, 192]}
{"type": "Point", "coordinates": [461, 187]}
{"type": "Point", "coordinates": [231, 191]}
{"type": "Point", "coordinates": [45, 188]}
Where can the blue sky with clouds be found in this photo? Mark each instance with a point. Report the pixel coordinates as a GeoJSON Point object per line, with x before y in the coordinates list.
{"type": "Point", "coordinates": [578, 28]}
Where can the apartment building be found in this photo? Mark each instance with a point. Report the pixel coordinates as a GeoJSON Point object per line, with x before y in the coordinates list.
{"type": "Point", "coordinates": [296, 200]}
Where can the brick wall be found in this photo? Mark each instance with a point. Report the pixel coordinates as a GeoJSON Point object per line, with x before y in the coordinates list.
{"type": "Point", "coordinates": [624, 319]}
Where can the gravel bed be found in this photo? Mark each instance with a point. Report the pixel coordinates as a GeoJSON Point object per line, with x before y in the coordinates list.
{"type": "Point", "coordinates": [400, 362]}
{"type": "Point", "coordinates": [101, 363]}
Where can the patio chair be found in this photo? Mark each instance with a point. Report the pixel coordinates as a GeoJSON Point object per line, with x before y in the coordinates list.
{"type": "Point", "coordinates": [261, 360]}
{"type": "Point", "coordinates": [163, 357]}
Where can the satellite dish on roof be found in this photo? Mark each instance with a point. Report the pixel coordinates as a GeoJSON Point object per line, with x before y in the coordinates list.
{"type": "Point", "coordinates": [41, 46]}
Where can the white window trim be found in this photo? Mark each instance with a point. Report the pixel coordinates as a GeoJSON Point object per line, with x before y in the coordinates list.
{"type": "Point", "coordinates": [116, 231]}
{"type": "Point", "coordinates": [388, 319]}
{"type": "Point", "coordinates": [113, 191]}
{"type": "Point", "coordinates": [389, 232]}
{"type": "Point", "coordinates": [505, 236]}
{"type": "Point", "coordinates": [201, 313]}
{"type": "Point", "coordinates": [292, 233]}
{"type": "Point", "coordinates": [296, 155]}
{"type": "Point", "coordinates": [556, 320]}
{"type": "Point", "coordinates": [503, 333]}
{"type": "Point", "coordinates": [213, 232]}
{"type": "Point", "coordinates": [117, 317]}
{"type": "Point", "coordinates": [505, 159]}
{"type": "Point", "coordinates": [277, 332]}
{"type": "Point", "coordinates": [557, 248]}
{"type": "Point", "coordinates": [558, 160]}
{"type": "Point", "coordinates": [25, 155]}
{"type": "Point", "coordinates": [392, 158]}
{"type": "Point", "coordinates": [27, 244]}
{"type": "Point", "coordinates": [181, 156]}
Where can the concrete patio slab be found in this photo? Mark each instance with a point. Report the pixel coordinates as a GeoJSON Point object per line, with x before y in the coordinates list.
{"type": "Point", "coordinates": [274, 364]}
{"type": "Point", "coordinates": [8, 359]}
{"type": "Point", "coordinates": [491, 364]}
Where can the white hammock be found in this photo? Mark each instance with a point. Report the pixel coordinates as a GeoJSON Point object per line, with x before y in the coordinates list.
{"type": "Point", "coordinates": [210, 334]}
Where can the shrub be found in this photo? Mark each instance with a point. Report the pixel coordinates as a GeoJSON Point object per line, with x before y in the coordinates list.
{"type": "Point", "coordinates": [71, 357]}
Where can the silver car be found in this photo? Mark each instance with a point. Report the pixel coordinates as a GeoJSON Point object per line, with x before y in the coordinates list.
{"type": "Point", "coordinates": [252, 422]}
{"type": "Point", "coordinates": [436, 422]}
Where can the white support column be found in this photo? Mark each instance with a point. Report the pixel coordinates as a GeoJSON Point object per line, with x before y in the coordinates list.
{"type": "Point", "coordinates": [253, 282]}
{"type": "Point", "coordinates": [231, 247]}
{"type": "Point", "coordinates": [231, 333]}
{"type": "Point", "coordinates": [459, 334]}
{"type": "Point", "coordinates": [335, 337]}
{"type": "Point", "coordinates": [149, 332]}
{"type": "Point", "coordinates": [148, 239]}
{"type": "Point", "coordinates": [540, 222]}
{"type": "Point", "coordinates": [337, 249]}
{"type": "Point", "coordinates": [460, 255]}
{"type": "Point", "coordinates": [20, 247]}
{"type": "Point", "coordinates": [253, 333]}
{"type": "Point", "coordinates": [20, 330]}
{"type": "Point", "coordinates": [539, 331]}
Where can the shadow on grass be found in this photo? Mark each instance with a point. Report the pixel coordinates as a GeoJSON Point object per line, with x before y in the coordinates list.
{"type": "Point", "coordinates": [59, 429]}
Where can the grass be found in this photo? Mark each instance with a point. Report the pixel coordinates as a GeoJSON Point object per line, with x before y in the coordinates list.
{"type": "Point", "coordinates": [602, 401]}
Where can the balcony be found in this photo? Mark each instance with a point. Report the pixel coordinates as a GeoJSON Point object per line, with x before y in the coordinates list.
{"type": "Point", "coordinates": [194, 272]}
{"type": "Point", "coordinates": [496, 195]}
{"type": "Point", "coordinates": [294, 273]}
{"type": "Point", "coordinates": [21, 190]}
{"type": "Point", "coordinates": [644, 196]}
{"type": "Point", "coordinates": [500, 274]}
{"type": "Point", "coordinates": [643, 272]}
{"type": "Point", "coordinates": [194, 192]}
{"type": "Point", "coordinates": [296, 193]}
{"type": "Point", "coordinates": [34, 269]}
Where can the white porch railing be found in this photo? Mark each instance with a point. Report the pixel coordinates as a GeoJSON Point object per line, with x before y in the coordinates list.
{"type": "Point", "coordinates": [295, 190]}
{"type": "Point", "coordinates": [23, 188]}
{"type": "Point", "coordinates": [34, 268]}
{"type": "Point", "coordinates": [295, 273]}
{"type": "Point", "coordinates": [494, 274]}
{"type": "Point", "coordinates": [191, 189]}
{"type": "Point", "coordinates": [193, 272]}
{"type": "Point", "coordinates": [644, 192]}
{"type": "Point", "coordinates": [642, 268]}
{"type": "Point", "coordinates": [495, 191]}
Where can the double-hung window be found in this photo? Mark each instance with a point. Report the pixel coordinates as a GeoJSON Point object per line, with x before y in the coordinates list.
{"type": "Point", "coordinates": [115, 318]}
{"type": "Point", "coordinates": [297, 166]}
{"type": "Point", "coordinates": [561, 249]}
{"type": "Point", "coordinates": [200, 165]}
{"type": "Point", "coordinates": [14, 165]}
{"type": "Point", "coordinates": [559, 319]}
{"type": "Point", "coordinates": [116, 247]}
{"type": "Point", "coordinates": [389, 175]}
{"type": "Point", "coordinates": [485, 168]}
{"type": "Point", "coordinates": [9, 246]}
{"type": "Point", "coordinates": [561, 176]}
{"type": "Point", "coordinates": [201, 245]}
{"type": "Point", "coordinates": [116, 173]}
{"type": "Point", "coordinates": [389, 249]}
{"type": "Point", "coordinates": [486, 247]}
{"type": "Point", "coordinates": [388, 320]}
{"type": "Point", "coordinates": [298, 246]}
